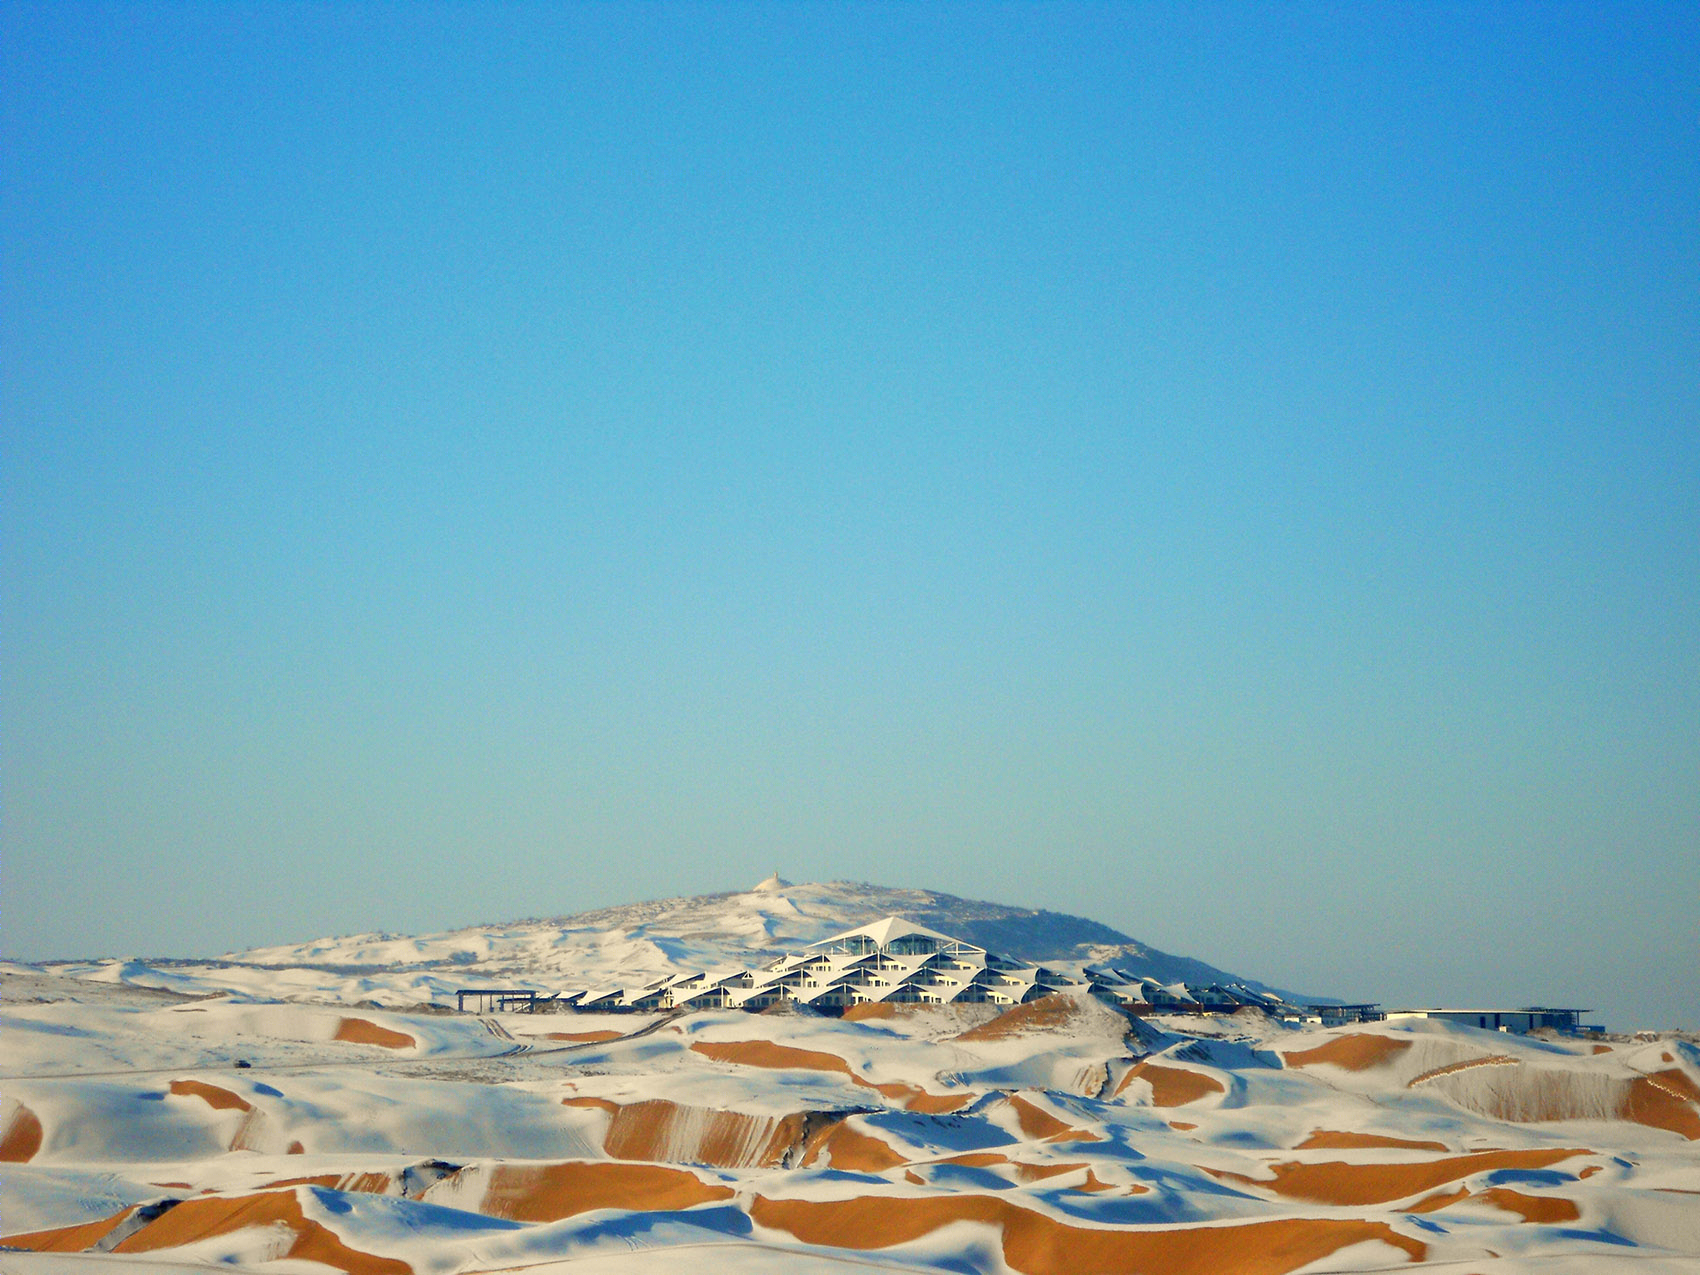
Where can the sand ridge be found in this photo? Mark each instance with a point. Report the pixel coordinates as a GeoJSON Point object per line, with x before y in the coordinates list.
{"type": "Point", "coordinates": [1381, 1182]}
{"type": "Point", "coordinates": [767, 1054]}
{"type": "Point", "coordinates": [1356, 1051]}
{"type": "Point", "coordinates": [363, 1031]}
{"type": "Point", "coordinates": [1041, 1125]}
{"type": "Point", "coordinates": [201, 1218]}
{"type": "Point", "coordinates": [550, 1192]}
{"type": "Point", "coordinates": [1336, 1140]}
{"type": "Point", "coordinates": [1037, 1244]}
{"type": "Point", "coordinates": [1172, 1086]}
{"type": "Point", "coordinates": [1664, 1100]}
{"type": "Point", "coordinates": [842, 1147]}
{"type": "Point", "coordinates": [660, 1130]}
{"type": "Point", "coordinates": [219, 1099]}
{"type": "Point", "coordinates": [1054, 1013]}
{"type": "Point", "coordinates": [22, 1141]}
{"type": "Point", "coordinates": [1549, 1210]}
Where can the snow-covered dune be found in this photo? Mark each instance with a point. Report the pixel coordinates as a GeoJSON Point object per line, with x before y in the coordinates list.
{"type": "Point", "coordinates": [164, 1116]}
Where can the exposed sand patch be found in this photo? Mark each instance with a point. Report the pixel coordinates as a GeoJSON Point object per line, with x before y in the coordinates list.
{"type": "Point", "coordinates": [1042, 1125]}
{"type": "Point", "coordinates": [1665, 1100]}
{"type": "Point", "coordinates": [68, 1239]}
{"type": "Point", "coordinates": [201, 1219]}
{"type": "Point", "coordinates": [847, 1148]}
{"type": "Point", "coordinates": [1677, 1082]}
{"type": "Point", "coordinates": [659, 1130]}
{"type": "Point", "coordinates": [1182, 1126]}
{"type": "Point", "coordinates": [1049, 1013]}
{"type": "Point", "coordinates": [1036, 1244]}
{"type": "Point", "coordinates": [1172, 1086]}
{"type": "Point", "coordinates": [1026, 1172]}
{"type": "Point", "coordinates": [875, 1010]}
{"type": "Point", "coordinates": [362, 1031]}
{"type": "Point", "coordinates": [1439, 1200]}
{"type": "Point", "coordinates": [1505, 1089]}
{"type": "Point", "coordinates": [764, 1053]}
{"type": "Point", "coordinates": [1602, 1049]}
{"type": "Point", "coordinates": [215, 1097]}
{"type": "Point", "coordinates": [331, 1180]}
{"type": "Point", "coordinates": [612, 1108]}
{"type": "Point", "coordinates": [1357, 1051]}
{"type": "Point", "coordinates": [974, 1159]}
{"type": "Point", "coordinates": [1335, 1140]}
{"type": "Point", "coordinates": [549, 1192]}
{"type": "Point", "coordinates": [23, 1137]}
{"type": "Point", "coordinates": [206, 1217]}
{"type": "Point", "coordinates": [1335, 1182]}
{"type": "Point", "coordinates": [583, 1037]}
{"type": "Point", "coordinates": [929, 1104]}
{"type": "Point", "coordinates": [1545, 1209]}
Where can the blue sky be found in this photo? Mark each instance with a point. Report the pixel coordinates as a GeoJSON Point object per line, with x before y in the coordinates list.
{"type": "Point", "coordinates": [1230, 471]}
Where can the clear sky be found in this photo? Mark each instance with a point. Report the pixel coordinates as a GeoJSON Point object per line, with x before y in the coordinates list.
{"type": "Point", "coordinates": [1229, 471]}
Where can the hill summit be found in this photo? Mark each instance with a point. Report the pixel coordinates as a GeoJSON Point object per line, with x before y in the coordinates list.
{"type": "Point", "coordinates": [740, 928]}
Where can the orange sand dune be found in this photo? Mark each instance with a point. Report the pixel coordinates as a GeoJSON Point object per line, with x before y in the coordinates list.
{"type": "Point", "coordinates": [210, 1216]}
{"type": "Point", "coordinates": [930, 1104]}
{"type": "Point", "coordinates": [201, 1219]}
{"type": "Point", "coordinates": [549, 1192]}
{"type": "Point", "coordinates": [1546, 1209]}
{"type": "Point", "coordinates": [361, 1031]}
{"type": "Point", "coordinates": [1039, 1172]}
{"type": "Point", "coordinates": [728, 1139]}
{"type": "Point", "coordinates": [1664, 1100]}
{"type": "Point", "coordinates": [975, 1159]}
{"type": "Point", "coordinates": [1439, 1200]}
{"type": "Point", "coordinates": [1334, 1182]}
{"type": "Point", "coordinates": [1333, 1140]}
{"type": "Point", "coordinates": [1048, 1013]}
{"type": "Point", "coordinates": [23, 1137]}
{"type": "Point", "coordinates": [1358, 1051]}
{"type": "Point", "coordinates": [67, 1239]}
{"type": "Point", "coordinates": [1036, 1244]}
{"type": "Point", "coordinates": [1172, 1086]}
{"type": "Point", "coordinates": [332, 1180]}
{"type": "Point", "coordinates": [764, 1053]}
{"type": "Point", "coordinates": [873, 1010]}
{"type": "Point", "coordinates": [1040, 1124]}
{"type": "Point", "coordinates": [612, 1108]}
{"type": "Point", "coordinates": [847, 1148]}
{"type": "Point", "coordinates": [216, 1098]}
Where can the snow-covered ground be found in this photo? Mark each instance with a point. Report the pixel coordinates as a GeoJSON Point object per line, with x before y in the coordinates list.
{"type": "Point", "coordinates": [311, 1108]}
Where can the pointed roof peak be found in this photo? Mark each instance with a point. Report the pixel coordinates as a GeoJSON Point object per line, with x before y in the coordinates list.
{"type": "Point", "coordinates": [885, 931]}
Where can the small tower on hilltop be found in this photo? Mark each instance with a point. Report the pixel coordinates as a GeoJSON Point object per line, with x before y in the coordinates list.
{"type": "Point", "coordinates": [772, 885]}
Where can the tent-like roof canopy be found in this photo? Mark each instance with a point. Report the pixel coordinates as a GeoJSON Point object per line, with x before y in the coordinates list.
{"type": "Point", "coordinates": [885, 932]}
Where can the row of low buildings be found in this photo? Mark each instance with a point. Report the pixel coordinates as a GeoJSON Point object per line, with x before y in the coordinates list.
{"type": "Point", "coordinates": [894, 961]}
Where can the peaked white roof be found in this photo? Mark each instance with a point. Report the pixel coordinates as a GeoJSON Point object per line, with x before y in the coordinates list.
{"type": "Point", "coordinates": [892, 927]}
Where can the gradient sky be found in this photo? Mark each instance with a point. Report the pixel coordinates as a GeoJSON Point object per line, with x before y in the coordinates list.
{"type": "Point", "coordinates": [1229, 471]}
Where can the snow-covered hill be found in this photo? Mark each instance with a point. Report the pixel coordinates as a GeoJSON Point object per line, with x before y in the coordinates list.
{"type": "Point", "coordinates": [717, 931]}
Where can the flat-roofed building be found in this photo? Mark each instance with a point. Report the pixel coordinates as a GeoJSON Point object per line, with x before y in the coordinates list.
{"type": "Point", "coordinates": [1522, 1021]}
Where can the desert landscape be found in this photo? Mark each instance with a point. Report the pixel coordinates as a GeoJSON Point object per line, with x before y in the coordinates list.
{"type": "Point", "coordinates": [301, 1110]}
